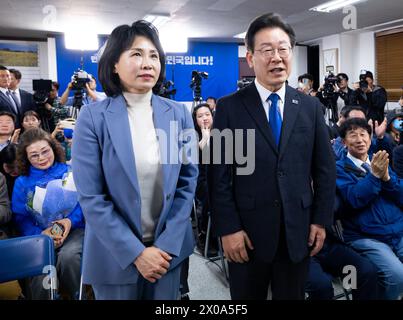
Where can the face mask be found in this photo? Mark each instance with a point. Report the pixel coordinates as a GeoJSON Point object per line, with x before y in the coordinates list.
{"type": "Point", "coordinates": [398, 124]}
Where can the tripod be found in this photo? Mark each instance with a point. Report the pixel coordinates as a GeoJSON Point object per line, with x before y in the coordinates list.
{"type": "Point", "coordinates": [77, 103]}
{"type": "Point", "coordinates": [331, 111]}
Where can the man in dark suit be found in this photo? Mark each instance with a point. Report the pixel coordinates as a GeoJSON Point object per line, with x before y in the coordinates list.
{"type": "Point", "coordinates": [8, 102]}
{"type": "Point", "coordinates": [272, 218]}
{"type": "Point", "coordinates": [24, 99]}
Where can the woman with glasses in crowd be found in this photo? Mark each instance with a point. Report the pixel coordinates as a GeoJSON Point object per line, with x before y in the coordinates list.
{"type": "Point", "coordinates": [44, 202]}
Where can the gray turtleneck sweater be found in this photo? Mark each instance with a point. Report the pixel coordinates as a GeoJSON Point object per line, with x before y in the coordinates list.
{"type": "Point", "coordinates": [147, 157]}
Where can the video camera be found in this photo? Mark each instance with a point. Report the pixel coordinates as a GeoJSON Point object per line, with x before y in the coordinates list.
{"type": "Point", "coordinates": [167, 89]}
{"type": "Point", "coordinates": [79, 79]}
{"type": "Point", "coordinates": [42, 89]}
{"type": "Point", "coordinates": [195, 84]}
{"type": "Point", "coordinates": [330, 81]}
{"type": "Point", "coordinates": [363, 82]}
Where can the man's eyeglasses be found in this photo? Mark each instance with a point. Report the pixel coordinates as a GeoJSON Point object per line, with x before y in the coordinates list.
{"type": "Point", "coordinates": [35, 157]}
{"type": "Point", "coordinates": [283, 52]}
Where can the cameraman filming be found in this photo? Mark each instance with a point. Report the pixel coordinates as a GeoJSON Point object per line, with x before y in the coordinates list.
{"type": "Point", "coordinates": [90, 94]}
{"type": "Point", "coordinates": [342, 95]}
{"type": "Point", "coordinates": [371, 97]}
{"type": "Point", "coordinates": [50, 109]}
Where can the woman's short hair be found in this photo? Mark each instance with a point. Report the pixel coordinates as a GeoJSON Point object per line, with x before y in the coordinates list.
{"type": "Point", "coordinates": [120, 40]}
{"type": "Point", "coordinates": [31, 136]}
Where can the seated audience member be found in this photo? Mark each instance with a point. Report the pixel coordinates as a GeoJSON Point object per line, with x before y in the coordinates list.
{"type": "Point", "coordinates": [5, 213]}
{"type": "Point", "coordinates": [7, 133]}
{"type": "Point", "coordinates": [44, 175]}
{"type": "Point", "coordinates": [373, 225]}
{"type": "Point", "coordinates": [31, 120]}
{"type": "Point", "coordinates": [379, 141]}
{"type": "Point", "coordinates": [8, 166]}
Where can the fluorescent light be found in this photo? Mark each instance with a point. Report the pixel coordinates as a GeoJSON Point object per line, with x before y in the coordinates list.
{"type": "Point", "coordinates": [240, 35]}
{"type": "Point", "coordinates": [81, 40]}
{"type": "Point", "coordinates": [174, 41]}
{"type": "Point", "coordinates": [334, 5]}
{"type": "Point", "coordinates": [157, 20]}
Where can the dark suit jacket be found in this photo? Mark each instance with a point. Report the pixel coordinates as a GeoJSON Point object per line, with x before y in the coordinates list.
{"type": "Point", "coordinates": [5, 105]}
{"type": "Point", "coordinates": [27, 102]}
{"type": "Point", "coordinates": [279, 190]}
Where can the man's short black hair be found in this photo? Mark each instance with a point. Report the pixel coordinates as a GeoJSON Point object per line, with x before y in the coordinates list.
{"type": "Point", "coordinates": [11, 115]}
{"type": "Point", "coordinates": [352, 124]}
{"type": "Point", "coordinates": [342, 75]}
{"type": "Point", "coordinates": [17, 74]}
{"type": "Point", "coordinates": [3, 67]}
{"type": "Point", "coordinates": [305, 76]}
{"type": "Point", "coordinates": [212, 98]}
{"type": "Point", "coordinates": [369, 74]}
{"type": "Point", "coordinates": [267, 20]}
{"type": "Point", "coordinates": [120, 40]}
{"type": "Point", "coordinates": [345, 111]}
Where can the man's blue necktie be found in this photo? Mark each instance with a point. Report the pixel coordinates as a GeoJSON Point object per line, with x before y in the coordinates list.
{"type": "Point", "coordinates": [13, 102]}
{"type": "Point", "coordinates": [275, 117]}
{"type": "Point", "coordinates": [366, 167]}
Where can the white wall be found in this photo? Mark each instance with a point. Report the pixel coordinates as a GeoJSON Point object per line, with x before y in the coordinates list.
{"type": "Point", "coordinates": [299, 66]}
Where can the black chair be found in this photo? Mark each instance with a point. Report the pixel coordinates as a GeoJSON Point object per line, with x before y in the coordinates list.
{"type": "Point", "coordinates": [26, 257]}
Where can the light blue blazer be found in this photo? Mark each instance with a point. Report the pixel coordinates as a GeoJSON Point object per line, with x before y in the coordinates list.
{"type": "Point", "coordinates": [106, 180]}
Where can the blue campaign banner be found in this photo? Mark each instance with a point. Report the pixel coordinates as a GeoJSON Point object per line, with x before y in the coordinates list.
{"type": "Point", "coordinates": [219, 60]}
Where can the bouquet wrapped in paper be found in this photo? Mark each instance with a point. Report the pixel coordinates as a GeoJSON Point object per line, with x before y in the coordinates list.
{"type": "Point", "coordinates": [54, 201]}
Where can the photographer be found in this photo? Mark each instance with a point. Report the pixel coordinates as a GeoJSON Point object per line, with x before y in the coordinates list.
{"type": "Point", "coordinates": [338, 92]}
{"type": "Point", "coordinates": [52, 110]}
{"type": "Point", "coordinates": [89, 95]}
{"type": "Point", "coordinates": [371, 97]}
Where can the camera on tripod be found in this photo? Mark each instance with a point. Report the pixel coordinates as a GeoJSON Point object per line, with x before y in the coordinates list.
{"type": "Point", "coordinates": [80, 79]}
{"type": "Point", "coordinates": [330, 81]}
{"type": "Point", "coordinates": [195, 84]}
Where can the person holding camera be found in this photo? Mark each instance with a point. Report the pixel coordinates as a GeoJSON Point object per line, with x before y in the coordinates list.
{"type": "Point", "coordinates": [90, 94]}
{"type": "Point", "coordinates": [371, 97]}
{"type": "Point", "coordinates": [51, 110]}
{"type": "Point", "coordinates": [41, 166]}
{"type": "Point", "coordinates": [135, 192]}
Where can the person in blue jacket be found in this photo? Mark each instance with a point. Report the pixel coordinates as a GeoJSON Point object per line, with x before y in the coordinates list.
{"type": "Point", "coordinates": [373, 223]}
{"type": "Point", "coordinates": [40, 160]}
{"type": "Point", "coordinates": [135, 192]}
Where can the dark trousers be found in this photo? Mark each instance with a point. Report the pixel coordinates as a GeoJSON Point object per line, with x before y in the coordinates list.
{"type": "Point", "coordinates": [251, 280]}
{"type": "Point", "coordinates": [329, 263]}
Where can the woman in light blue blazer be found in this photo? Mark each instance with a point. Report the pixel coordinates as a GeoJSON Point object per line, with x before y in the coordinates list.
{"type": "Point", "coordinates": [133, 166]}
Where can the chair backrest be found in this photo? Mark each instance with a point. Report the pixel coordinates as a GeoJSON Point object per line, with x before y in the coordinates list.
{"type": "Point", "coordinates": [25, 257]}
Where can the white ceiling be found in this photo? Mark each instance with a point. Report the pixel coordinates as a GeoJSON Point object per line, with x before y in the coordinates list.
{"type": "Point", "coordinates": [219, 19]}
